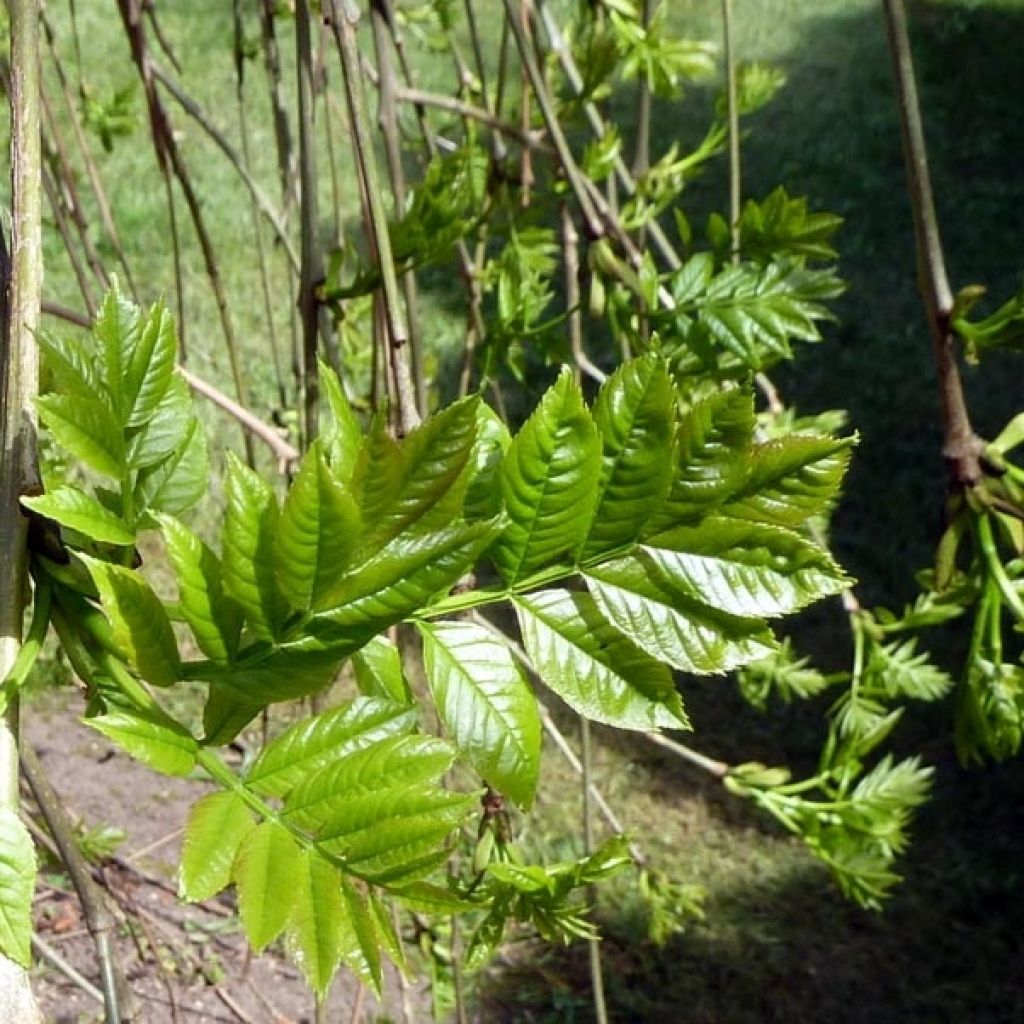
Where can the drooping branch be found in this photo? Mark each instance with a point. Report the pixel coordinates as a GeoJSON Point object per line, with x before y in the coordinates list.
{"type": "Point", "coordinates": [461, 108]}
{"type": "Point", "coordinates": [96, 182]}
{"type": "Point", "coordinates": [98, 918]}
{"type": "Point", "coordinates": [236, 159]}
{"type": "Point", "coordinates": [282, 131]}
{"type": "Point", "coordinates": [562, 51]}
{"type": "Point", "coordinates": [599, 218]}
{"type": "Point", "coordinates": [169, 157]}
{"type": "Point", "coordinates": [382, 17]}
{"type": "Point", "coordinates": [311, 270]}
{"type": "Point", "coordinates": [733, 118]}
{"type": "Point", "coordinates": [257, 223]}
{"type": "Point", "coordinates": [962, 448]}
{"type": "Point", "coordinates": [344, 17]}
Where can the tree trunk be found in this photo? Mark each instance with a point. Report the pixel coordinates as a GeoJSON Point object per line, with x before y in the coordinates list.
{"type": "Point", "coordinates": [20, 377]}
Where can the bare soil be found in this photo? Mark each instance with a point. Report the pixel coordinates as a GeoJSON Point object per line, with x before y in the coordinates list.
{"type": "Point", "coordinates": [183, 963]}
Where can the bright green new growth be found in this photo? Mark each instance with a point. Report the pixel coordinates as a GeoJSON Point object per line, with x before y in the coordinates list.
{"type": "Point", "coordinates": [633, 536]}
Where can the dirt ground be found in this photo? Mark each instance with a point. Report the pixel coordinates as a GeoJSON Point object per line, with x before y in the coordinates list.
{"type": "Point", "coordinates": [183, 963]}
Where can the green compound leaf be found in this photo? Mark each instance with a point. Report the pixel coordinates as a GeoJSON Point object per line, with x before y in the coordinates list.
{"type": "Point", "coordinates": [317, 742]}
{"type": "Point", "coordinates": [634, 416]}
{"type": "Point", "coordinates": [483, 495]}
{"type": "Point", "coordinates": [750, 313]}
{"type": "Point", "coordinates": [362, 948]}
{"type": "Point", "coordinates": [85, 428]}
{"type": "Point", "coordinates": [414, 483]}
{"type": "Point", "coordinates": [225, 715]}
{"type": "Point", "coordinates": [214, 618]}
{"type": "Point", "coordinates": [265, 868]}
{"type": "Point", "coordinates": [401, 579]}
{"type": "Point", "coordinates": [712, 457]}
{"type": "Point", "coordinates": [342, 436]}
{"type": "Point", "coordinates": [155, 740]}
{"type": "Point", "coordinates": [148, 367]}
{"type": "Point", "coordinates": [669, 624]}
{"type": "Point", "coordinates": [17, 886]}
{"type": "Point", "coordinates": [316, 534]}
{"type": "Point", "coordinates": [177, 482]}
{"type": "Point", "coordinates": [286, 673]}
{"type": "Point", "coordinates": [83, 513]}
{"type": "Point", "coordinates": [165, 430]}
{"type": "Point", "coordinates": [791, 479]}
{"type": "Point", "coordinates": [319, 931]}
{"type": "Point", "coordinates": [250, 528]}
{"type": "Point", "coordinates": [548, 481]}
{"type": "Point", "coordinates": [74, 369]}
{"type": "Point", "coordinates": [217, 826]}
{"type": "Point", "coordinates": [378, 671]}
{"type": "Point", "coordinates": [138, 620]}
{"type": "Point", "coordinates": [597, 671]}
{"type": "Point", "coordinates": [745, 569]}
{"type": "Point", "coordinates": [381, 808]}
{"type": "Point", "coordinates": [117, 328]}
{"type": "Point", "coordinates": [485, 704]}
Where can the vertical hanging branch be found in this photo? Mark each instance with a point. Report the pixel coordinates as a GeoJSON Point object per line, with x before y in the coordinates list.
{"type": "Point", "coordinates": [382, 20]}
{"type": "Point", "coordinates": [961, 446]}
{"type": "Point", "coordinates": [21, 288]}
{"type": "Point", "coordinates": [642, 147]}
{"type": "Point", "coordinates": [99, 193]}
{"type": "Point", "coordinates": [733, 117]}
{"type": "Point", "coordinates": [283, 145]}
{"type": "Point", "coordinates": [344, 17]}
{"type": "Point", "coordinates": [282, 132]}
{"type": "Point", "coordinates": [169, 156]}
{"type": "Point", "coordinates": [311, 270]}
{"type": "Point", "coordinates": [574, 325]}
{"type": "Point", "coordinates": [257, 225]}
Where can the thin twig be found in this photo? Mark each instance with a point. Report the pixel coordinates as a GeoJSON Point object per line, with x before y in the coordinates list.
{"type": "Point", "coordinates": [166, 149]}
{"type": "Point", "coordinates": [574, 320]}
{"type": "Point", "coordinates": [694, 757]}
{"type": "Point", "coordinates": [311, 270]}
{"type": "Point", "coordinates": [599, 219]}
{"type": "Point", "coordinates": [962, 448]}
{"type": "Point", "coordinates": [98, 918]}
{"type": "Point", "coordinates": [282, 133]}
{"type": "Point", "coordinates": [382, 18]}
{"type": "Point", "coordinates": [237, 161]}
{"type": "Point", "coordinates": [594, 943]}
{"type": "Point", "coordinates": [733, 119]}
{"type": "Point", "coordinates": [285, 453]}
{"type": "Point", "coordinates": [155, 845]}
{"type": "Point", "coordinates": [257, 224]}
{"type": "Point", "coordinates": [48, 953]}
{"type": "Point", "coordinates": [530, 139]}
{"type": "Point", "coordinates": [96, 182]}
{"type": "Point", "coordinates": [563, 52]}
{"type": "Point", "coordinates": [344, 18]}
{"type": "Point", "coordinates": [232, 1004]}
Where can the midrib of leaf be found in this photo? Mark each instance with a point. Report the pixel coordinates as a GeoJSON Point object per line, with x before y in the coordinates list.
{"type": "Point", "coordinates": [536, 513]}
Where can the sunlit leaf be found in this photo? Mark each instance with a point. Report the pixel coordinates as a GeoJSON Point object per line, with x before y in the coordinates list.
{"type": "Point", "coordinates": [485, 704]}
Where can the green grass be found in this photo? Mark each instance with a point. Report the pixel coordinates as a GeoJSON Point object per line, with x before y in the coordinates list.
{"type": "Point", "coordinates": [778, 943]}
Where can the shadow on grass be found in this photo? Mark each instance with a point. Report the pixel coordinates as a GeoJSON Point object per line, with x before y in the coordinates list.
{"type": "Point", "coordinates": [786, 947]}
